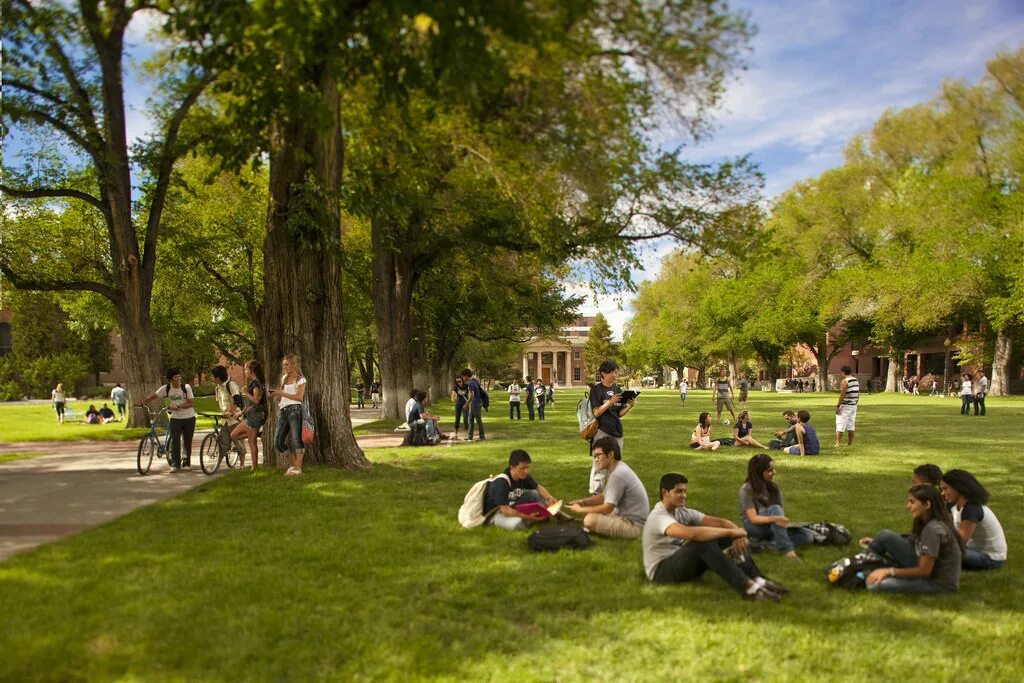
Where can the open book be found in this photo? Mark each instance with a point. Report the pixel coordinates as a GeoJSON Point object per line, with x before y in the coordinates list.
{"type": "Point", "coordinates": [538, 509]}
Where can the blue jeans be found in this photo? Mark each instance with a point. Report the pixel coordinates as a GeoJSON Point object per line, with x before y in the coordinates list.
{"type": "Point", "coordinates": [891, 545]}
{"type": "Point", "coordinates": [289, 426]}
{"type": "Point", "coordinates": [540, 410]}
{"type": "Point", "coordinates": [965, 404]}
{"type": "Point", "coordinates": [782, 538]}
{"type": "Point", "coordinates": [975, 559]}
{"type": "Point", "coordinates": [515, 523]}
{"type": "Point", "coordinates": [474, 409]}
{"type": "Point", "coordinates": [529, 408]}
{"type": "Point", "coordinates": [461, 414]}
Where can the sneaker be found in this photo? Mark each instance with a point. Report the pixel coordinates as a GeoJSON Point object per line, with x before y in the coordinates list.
{"type": "Point", "coordinates": [773, 586]}
{"type": "Point", "coordinates": [292, 472]}
{"type": "Point", "coordinates": [173, 470]}
{"type": "Point", "coordinates": [186, 467]}
{"type": "Point", "coordinates": [762, 593]}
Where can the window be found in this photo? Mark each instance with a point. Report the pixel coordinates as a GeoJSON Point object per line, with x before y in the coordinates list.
{"type": "Point", "coordinates": [576, 355]}
{"type": "Point", "coordinates": [576, 373]}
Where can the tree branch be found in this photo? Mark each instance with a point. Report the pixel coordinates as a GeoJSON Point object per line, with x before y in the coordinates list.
{"type": "Point", "coordinates": [73, 135]}
{"type": "Point", "coordinates": [53, 192]}
{"type": "Point", "coordinates": [41, 285]}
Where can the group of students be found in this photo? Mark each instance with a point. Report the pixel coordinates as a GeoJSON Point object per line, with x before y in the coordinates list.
{"type": "Point", "coordinates": [244, 412]}
{"type": "Point", "coordinates": [952, 526]}
{"type": "Point", "coordinates": [102, 415]}
{"type": "Point", "coordinates": [536, 393]}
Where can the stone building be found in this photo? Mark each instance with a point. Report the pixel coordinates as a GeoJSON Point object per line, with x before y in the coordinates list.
{"type": "Point", "coordinates": [559, 359]}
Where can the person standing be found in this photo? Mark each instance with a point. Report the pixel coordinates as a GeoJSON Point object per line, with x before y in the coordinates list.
{"type": "Point", "coordinates": [513, 400]}
{"type": "Point", "coordinates": [460, 397]}
{"type": "Point", "coordinates": [846, 408]}
{"type": "Point", "coordinates": [542, 399]}
{"type": "Point", "coordinates": [183, 418]}
{"type": "Point", "coordinates": [375, 393]}
{"type": "Point", "coordinates": [744, 386]}
{"type": "Point", "coordinates": [119, 397]}
{"type": "Point", "coordinates": [359, 395]}
{"type": "Point", "coordinates": [551, 393]}
{"type": "Point", "coordinates": [59, 400]}
{"type": "Point", "coordinates": [683, 388]}
{"type": "Point", "coordinates": [229, 400]}
{"type": "Point", "coordinates": [607, 406]}
{"type": "Point", "coordinates": [256, 413]}
{"type": "Point", "coordinates": [966, 394]}
{"type": "Point", "coordinates": [288, 436]}
{"type": "Point", "coordinates": [723, 396]}
{"type": "Point", "coordinates": [980, 393]}
{"type": "Point", "coordinates": [475, 404]}
{"type": "Point", "coordinates": [530, 396]}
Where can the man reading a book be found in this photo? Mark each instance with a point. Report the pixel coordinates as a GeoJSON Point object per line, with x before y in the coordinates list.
{"type": "Point", "coordinates": [519, 488]}
{"type": "Point", "coordinates": [621, 509]}
{"type": "Point", "coordinates": [680, 544]}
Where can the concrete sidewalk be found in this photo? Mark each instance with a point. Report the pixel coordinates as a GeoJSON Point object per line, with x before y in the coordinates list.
{"type": "Point", "coordinates": [82, 484]}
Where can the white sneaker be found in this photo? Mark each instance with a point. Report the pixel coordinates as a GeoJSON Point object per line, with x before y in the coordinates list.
{"type": "Point", "coordinates": [292, 472]}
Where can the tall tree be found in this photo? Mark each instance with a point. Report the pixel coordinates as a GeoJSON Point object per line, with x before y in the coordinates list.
{"type": "Point", "coordinates": [598, 346]}
{"type": "Point", "coordinates": [64, 78]}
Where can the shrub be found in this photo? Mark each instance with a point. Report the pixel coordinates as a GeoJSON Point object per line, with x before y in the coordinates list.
{"type": "Point", "coordinates": [41, 375]}
{"type": "Point", "coordinates": [10, 391]}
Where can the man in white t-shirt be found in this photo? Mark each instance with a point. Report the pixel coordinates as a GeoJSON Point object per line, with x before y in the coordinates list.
{"type": "Point", "coordinates": [683, 388]}
{"type": "Point", "coordinates": [680, 544]}
{"type": "Point", "coordinates": [183, 418]}
{"type": "Point", "coordinates": [981, 391]}
{"type": "Point", "coordinates": [513, 401]}
{"type": "Point", "coordinates": [621, 508]}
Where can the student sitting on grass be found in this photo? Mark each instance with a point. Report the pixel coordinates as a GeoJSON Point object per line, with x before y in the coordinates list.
{"type": "Point", "coordinates": [741, 432]}
{"type": "Point", "coordinates": [680, 544]}
{"type": "Point", "coordinates": [761, 509]}
{"type": "Point", "coordinates": [107, 415]}
{"type": "Point", "coordinates": [806, 437]}
{"type": "Point", "coordinates": [92, 416]}
{"type": "Point", "coordinates": [784, 438]}
{"type": "Point", "coordinates": [520, 488]}
{"type": "Point", "coordinates": [929, 562]}
{"type": "Point", "coordinates": [700, 439]}
{"type": "Point", "coordinates": [927, 474]}
{"type": "Point", "coordinates": [621, 509]}
{"type": "Point", "coordinates": [979, 529]}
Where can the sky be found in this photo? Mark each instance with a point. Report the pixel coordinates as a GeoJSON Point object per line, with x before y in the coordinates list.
{"type": "Point", "coordinates": [822, 71]}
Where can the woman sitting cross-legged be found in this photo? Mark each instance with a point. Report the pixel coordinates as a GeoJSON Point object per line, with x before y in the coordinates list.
{"type": "Point", "coordinates": [701, 437]}
{"type": "Point", "coordinates": [761, 509]}
{"type": "Point", "coordinates": [979, 529]}
{"type": "Point", "coordinates": [927, 563]}
{"type": "Point", "coordinates": [741, 432]}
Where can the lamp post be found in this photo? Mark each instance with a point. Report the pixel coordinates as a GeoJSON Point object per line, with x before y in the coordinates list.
{"type": "Point", "coordinates": [856, 361]}
{"type": "Point", "coordinates": [945, 365]}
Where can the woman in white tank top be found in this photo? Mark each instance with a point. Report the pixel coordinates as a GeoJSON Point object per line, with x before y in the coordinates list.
{"type": "Point", "coordinates": [288, 437]}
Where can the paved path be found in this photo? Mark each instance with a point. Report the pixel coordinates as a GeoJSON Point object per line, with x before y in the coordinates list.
{"type": "Point", "coordinates": [82, 484]}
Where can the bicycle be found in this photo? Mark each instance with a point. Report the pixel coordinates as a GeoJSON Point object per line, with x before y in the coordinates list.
{"type": "Point", "coordinates": [151, 444]}
{"type": "Point", "coordinates": [209, 449]}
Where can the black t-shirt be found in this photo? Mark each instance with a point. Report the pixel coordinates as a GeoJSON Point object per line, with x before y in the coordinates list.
{"type": "Point", "coordinates": [529, 392]}
{"type": "Point", "coordinates": [608, 421]}
{"type": "Point", "coordinates": [106, 413]}
{"type": "Point", "coordinates": [500, 492]}
{"type": "Point", "coordinates": [256, 384]}
{"type": "Point", "coordinates": [743, 428]}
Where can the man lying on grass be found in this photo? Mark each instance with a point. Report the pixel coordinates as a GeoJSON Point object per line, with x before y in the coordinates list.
{"type": "Point", "coordinates": [621, 509]}
{"type": "Point", "coordinates": [520, 487]}
{"type": "Point", "coordinates": [680, 544]}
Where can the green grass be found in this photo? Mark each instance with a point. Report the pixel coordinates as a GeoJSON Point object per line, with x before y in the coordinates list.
{"type": "Point", "coordinates": [37, 422]}
{"type": "Point", "coordinates": [10, 457]}
{"type": "Point", "coordinates": [367, 575]}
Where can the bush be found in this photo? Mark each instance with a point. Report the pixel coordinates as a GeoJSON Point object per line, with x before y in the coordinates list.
{"type": "Point", "coordinates": [41, 375]}
{"type": "Point", "coordinates": [101, 391]}
{"type": "Point", "coordinates": [10, 391]}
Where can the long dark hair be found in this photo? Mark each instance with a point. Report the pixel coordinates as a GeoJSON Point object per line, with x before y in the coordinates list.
{"type": "Point", "coordinates": [704, 416]}
{"type": "Point", "coordinates": [926, 493]}
{"type": "Point", "coordinates": [257, 371]}
{"type": "Point", "coordinates": [964, 483]}
{"type": "Point", "coordinates": [762, 488]}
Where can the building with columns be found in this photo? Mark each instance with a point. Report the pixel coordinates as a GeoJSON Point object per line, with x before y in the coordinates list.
{"type": "Point", "coordinates": [559, 360]}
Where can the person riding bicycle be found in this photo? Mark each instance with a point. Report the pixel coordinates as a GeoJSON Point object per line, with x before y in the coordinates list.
{"type": "Point", "coordinates": [183, 418]}
{"type": "Point", "coordinates": [230, 401]}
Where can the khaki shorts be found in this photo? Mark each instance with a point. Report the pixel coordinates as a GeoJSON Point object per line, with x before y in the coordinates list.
{"type": "Point", "coordinates": [846, 418]}
{"type": "Point", "coordinates": [727, 402]}
{"type": "Point", "coordinates": [617, 527]}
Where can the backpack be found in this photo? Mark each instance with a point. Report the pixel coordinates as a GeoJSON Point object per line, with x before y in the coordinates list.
{"type": "Point", "coordinates": [485, 399]}
{"type": "Point", "coordinates": [852, 572]}
{"type": "Point", "coordinates": [553, 538]}
{"type": "Point", "coordinates": [184, 391]}
{"type": "Point", "coordinates": [585, 417]}
{"type": "Point", "coordinates": [236, 394]}
{"type": "Point", "coordinates": [471, 513]}
{"type": "Point", "coordinates": [828, 533]}
{"type": "Point", "coordinates": [308, 426]}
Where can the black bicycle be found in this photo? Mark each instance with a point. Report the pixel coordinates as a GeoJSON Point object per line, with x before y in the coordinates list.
{"type": "Point", "coordinates": [209, 449]}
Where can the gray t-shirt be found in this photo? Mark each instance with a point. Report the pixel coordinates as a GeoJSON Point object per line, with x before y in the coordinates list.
{"type": "Point", "coordinates": [657, 546]}
{"type": "Point", "coordinates": [723, 389]}
{"type": "Point", "coordinates": [626, 492]}
{"type": "Point", "coordinates": [935, 541]}
{"type": "Point", "coordinates": [747, 500]}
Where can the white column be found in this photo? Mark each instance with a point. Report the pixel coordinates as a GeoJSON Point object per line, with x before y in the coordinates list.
{"type": "Point", "coordinates": [554, 358]}
{"type": "Point", "coordinates": [526, 367]}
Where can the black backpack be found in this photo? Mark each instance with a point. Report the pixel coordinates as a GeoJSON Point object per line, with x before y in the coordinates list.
{"type": "Point", "coordinates": [828, 533]}
{"type": "Point", "coordinates": [852, 572]}
{"type": "Point", "coordinates": [485, 399]}
{"type": "Point", "coordinates": [554, 538]}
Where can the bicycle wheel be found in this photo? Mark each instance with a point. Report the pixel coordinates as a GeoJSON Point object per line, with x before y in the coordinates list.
{"type": "Point", "coordinates": [232, 457]}
{"type": "Point", "coordinates": [166, 450]}
{"type": "Point", "coordinates": [148, 447]}
{"type": "Point", "coordinates": [209, 453]}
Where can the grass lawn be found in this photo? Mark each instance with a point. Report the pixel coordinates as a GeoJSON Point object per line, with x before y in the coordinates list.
{"type": "Point", "coordinates": [367, 575]}
{"type": "Point", "coordinates": [37, 422]}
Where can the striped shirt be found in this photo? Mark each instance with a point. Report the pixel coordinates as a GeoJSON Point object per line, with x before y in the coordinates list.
{"type": "Point", "coordinates": [852, 391]}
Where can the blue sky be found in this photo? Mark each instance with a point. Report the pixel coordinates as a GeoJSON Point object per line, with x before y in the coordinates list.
{"type": "Point", "coordinates": [822, 71]}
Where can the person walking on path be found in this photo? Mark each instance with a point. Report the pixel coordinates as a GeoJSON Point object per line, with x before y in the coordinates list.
{"type": "Point", "coordinates": [607, 406]}
{"type": "Point", "coordinates": [183, 418]}
{"type": "Point", "coordinates": [846, 408]}
{"type": "Point", "coordinates": [374, 393]}
{"type": "Point", "coordinates": [980, 393]}
{"type": "Point", "coordinates": [59, 400]}
{"type": "Point", "coordinates": [475, 404]}
{"type": "Point", "coordinates": [288, 436]}
{"type": "Point", "coordinates": [359, 395]}
{"type": "Point", "coordinates": [119, 397]}
{"type": "Point", "coordinates": [256, 413]}
{"type": "Point", "coordinates": [513, 401]}
{"type": "Point", "coordinates": [966, 394]}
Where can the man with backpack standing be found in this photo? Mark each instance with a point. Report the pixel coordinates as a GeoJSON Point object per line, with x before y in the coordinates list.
{"type": "Point", "coordinates": [229, 399]}
{"type": "Point", "coordinates": [475, 404]}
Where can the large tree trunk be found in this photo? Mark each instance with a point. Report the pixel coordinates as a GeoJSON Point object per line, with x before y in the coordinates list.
{"type": "Point", "coordinates": [1000, 385]}
{"type": "Point", "coordinates": [392, 304]}
{"type": "Point", "coordinates": [304, 302]}
{"type": "Point", "coordinates": [895, 372]}
{"type": "Point", "coordinates": [821, 356]}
